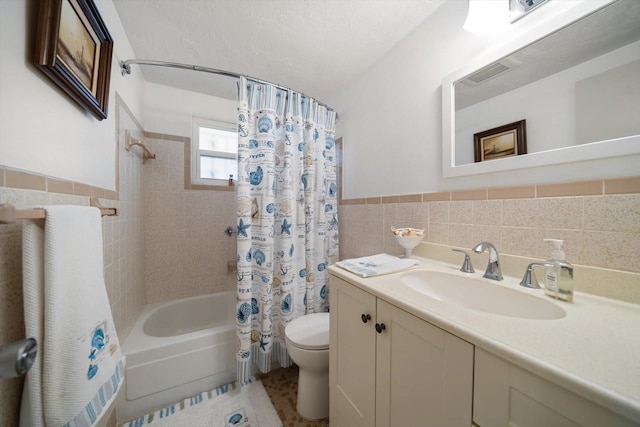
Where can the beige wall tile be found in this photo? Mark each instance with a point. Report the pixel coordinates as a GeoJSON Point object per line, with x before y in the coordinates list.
{"type": "Point", "coordinates": [561, 212]}
{"type": "Point", "coordinates": [410, 198]}
{"type": "Point", "coordinates": [98, 192]}
{"type": "Point", "coordinates": [520, 240]}
{"type": "Point", "coordinates": [461, 212]}
{"type": "Point", "coordinates": [622, 185]}
{"type": "Point", "coordinates": [27, 181]}
{"type": "Point", "coordinates": [373, 212]}
{"type": "Point", "coordinates": [438, 212]}
{"type": "Point", "coordinates": [59, 186]}
{"type": "Point", "coordinates": [389, 212]}
{"type": "Point", "coordinates": [520, 212]}
{"type": "Point", "coordinates": [438, 233]}
{"type": "Point", "coordinates": [612, 213]}
{"type": "Point", "coordinates": [611, 249]}
{"type": "Point", "coordinates": [527, 192]}
{"type": "Point", "coordinates": [436, 197]}
{"type": "Point", "coordinates": [487, 212]}
{"type": "Point", "coordinates": [581, 188]}
{"type": "Point", "coordinates": [469, 195]}
{"type": "Point", "coordinates": [416, 213]}
{"type": "Point", "coordinates": [461, 235]}
{"type": "Point", "coordinates": [390, 199]}
{"type": "Point", "coordinates": [374, 200]}
{"type": "Point", "coordinates": [80, 189]}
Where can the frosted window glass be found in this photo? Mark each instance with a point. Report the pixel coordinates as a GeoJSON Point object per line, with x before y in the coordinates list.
{"type": "Point", "coordinates": [218, 140]}
{"type": "Point", "coordinates": [217, 167]}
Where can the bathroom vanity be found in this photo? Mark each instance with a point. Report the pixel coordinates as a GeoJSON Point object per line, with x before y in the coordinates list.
{"type": "Point", "coordinates": [400, 355]}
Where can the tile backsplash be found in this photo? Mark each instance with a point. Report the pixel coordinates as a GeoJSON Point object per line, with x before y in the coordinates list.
{"type": "Point", "coordinates": [600, 222]}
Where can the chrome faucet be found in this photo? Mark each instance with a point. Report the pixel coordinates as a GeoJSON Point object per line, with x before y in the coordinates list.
{"type": "Point", "coordinates": [493, 271]}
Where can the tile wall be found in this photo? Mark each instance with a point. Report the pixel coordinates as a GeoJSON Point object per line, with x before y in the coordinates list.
{"type": "Point", "coordinates": [187, 250]}
{"type": "Point", "coordinates": [123, 247]}
{"type": "Point", "coordinates": [599, 220]}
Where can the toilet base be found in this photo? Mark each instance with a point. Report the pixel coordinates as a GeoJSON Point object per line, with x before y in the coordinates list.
{"type": "Point", "coordinates": [313, 394]}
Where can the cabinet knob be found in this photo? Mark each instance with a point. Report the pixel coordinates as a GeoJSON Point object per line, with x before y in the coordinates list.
{"type": "Point", "coordinates": [365, 318]}
{"type": "Point", "coordinates": [380, 327]}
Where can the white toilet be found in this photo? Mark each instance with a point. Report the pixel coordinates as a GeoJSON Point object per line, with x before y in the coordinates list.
{"type": "Point", "coordinates": [307, 340]}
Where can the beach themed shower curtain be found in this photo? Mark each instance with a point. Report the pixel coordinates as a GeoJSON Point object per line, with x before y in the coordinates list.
{"type": "Point", "coordinates": [287, 218]}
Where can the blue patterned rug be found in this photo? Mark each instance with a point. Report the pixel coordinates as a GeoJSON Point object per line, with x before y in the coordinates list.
{"type": "Point", "coordinates": [225, 406]}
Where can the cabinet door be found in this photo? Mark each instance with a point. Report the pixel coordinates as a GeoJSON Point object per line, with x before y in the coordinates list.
{"type": "Point", "coordinates": [352, 352]}
{"type": "Point", "coordinates": [506, 395]}
{"type": "Point", "coordinates": [424, 374]}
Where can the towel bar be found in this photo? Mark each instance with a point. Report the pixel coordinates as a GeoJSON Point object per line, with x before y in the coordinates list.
{"type": "Point", "coordinates": [9, 213]}
{"type": "Point", "coordinates": [17, 358]}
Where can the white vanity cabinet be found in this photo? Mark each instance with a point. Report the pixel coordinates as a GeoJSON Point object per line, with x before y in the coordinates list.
{"type": "Point", "coordinates": [390, 368]}
{"type": "Point", "coordinates": [506, 395]}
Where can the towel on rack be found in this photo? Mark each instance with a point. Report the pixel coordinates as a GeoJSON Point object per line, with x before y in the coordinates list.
{"type": "Point", "coordinates": [377, 265]}
{"type": "Point", "coordinates": [79, 366]}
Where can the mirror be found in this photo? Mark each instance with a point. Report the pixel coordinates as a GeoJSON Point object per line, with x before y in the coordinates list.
{"type": "Point", "coordinates": [577, 88]}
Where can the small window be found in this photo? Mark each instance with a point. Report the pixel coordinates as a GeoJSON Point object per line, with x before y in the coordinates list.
{"type": "Point", "coordinates": [214, 152]}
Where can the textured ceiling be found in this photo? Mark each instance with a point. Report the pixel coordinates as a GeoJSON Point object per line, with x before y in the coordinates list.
{"type": "Point", "coordinates": [313, 46]}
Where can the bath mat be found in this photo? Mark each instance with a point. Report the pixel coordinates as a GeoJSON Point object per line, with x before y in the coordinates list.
{"type": "Point", "coordinates": [226, 406]}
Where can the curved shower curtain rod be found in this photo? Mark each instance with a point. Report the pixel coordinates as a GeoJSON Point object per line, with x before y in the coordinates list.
{"type": "Point", "coordinates": [125, 68]}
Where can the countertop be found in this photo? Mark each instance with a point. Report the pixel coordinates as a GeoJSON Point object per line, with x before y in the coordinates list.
{"type": "Point", "coordinates": [594, 351]}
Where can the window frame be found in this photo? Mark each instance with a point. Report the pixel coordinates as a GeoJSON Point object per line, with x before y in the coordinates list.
{"type": "Point", "coordinates": [197, 152]}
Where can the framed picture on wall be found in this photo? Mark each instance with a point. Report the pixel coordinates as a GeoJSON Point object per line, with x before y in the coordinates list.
{"type": "Point", "coordinates": [503, 141]}
{"type": "Point", "coordinates": [74, 48]}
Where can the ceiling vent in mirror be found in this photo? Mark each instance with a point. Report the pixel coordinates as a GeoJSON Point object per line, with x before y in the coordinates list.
{"type": "Point", "coordinates": [490, 71]}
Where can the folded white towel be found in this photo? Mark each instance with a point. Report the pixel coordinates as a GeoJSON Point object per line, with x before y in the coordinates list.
{"type": "Point", "coordinates": [79, 366]}
{"type": "Point", "coordinates": [377, 265]}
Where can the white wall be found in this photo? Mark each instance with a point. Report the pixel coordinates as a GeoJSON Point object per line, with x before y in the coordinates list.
{"type": "Point", "coordinates": [391, 116]}
{"type": "Point", "coordinates": [44, 131]}
{"type": "Point", "coordinates": [169, 110]}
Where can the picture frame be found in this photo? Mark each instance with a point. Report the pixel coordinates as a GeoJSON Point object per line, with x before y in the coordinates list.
{"type": "Point", "coordinates": [503, 141]}
{"type": "Point", "coordinates": [74, 49]}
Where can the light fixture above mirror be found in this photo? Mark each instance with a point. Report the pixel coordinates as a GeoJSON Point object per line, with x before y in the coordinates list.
{"type": "Point", "coordinates": [484, 17]}
{"type": "Point", "coordinates": [519, 8]}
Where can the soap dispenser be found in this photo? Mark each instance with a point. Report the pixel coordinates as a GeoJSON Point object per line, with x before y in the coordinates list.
{"type": "Point", "coordinates": [558, 273]}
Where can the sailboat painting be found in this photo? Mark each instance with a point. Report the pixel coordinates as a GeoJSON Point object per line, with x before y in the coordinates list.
{"type": "Point", "coordinates": [76, 45]}
{"type": "Point", "coordinates": [74, 49]}
{"type": "Point", "coordinates": [503, 141]}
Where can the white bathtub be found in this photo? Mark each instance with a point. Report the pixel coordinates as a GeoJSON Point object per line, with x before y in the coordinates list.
{"type": "Point", "coordinates": [177, 349]}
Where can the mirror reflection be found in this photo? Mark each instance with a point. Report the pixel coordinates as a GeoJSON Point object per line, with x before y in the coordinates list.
{"type": "Point", "coordinates": [578, 85]}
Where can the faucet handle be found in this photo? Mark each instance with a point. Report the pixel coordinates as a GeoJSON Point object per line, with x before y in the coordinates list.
{"type": "Point", "coordinates": [466, 265]}
{"type": "Point", "coordinates": [529, 279]}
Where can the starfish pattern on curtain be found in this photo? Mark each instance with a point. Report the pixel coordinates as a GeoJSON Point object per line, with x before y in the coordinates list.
{"type": "Point", "coordinates": [287, 218]}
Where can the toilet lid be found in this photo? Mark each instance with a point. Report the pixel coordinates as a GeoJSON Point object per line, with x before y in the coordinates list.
{"type": "Point", "coordinates": [309, 332]}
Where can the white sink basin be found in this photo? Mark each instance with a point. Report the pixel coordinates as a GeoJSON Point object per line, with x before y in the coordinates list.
{"type": "Point", "coordinates": [479, 295]}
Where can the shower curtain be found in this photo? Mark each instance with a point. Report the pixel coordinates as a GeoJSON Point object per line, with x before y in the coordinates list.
{"type": "Point", "coordinates": [287, 218]}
